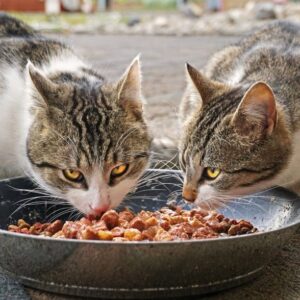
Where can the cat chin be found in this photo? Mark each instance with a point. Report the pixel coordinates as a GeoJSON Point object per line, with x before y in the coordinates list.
{"type": "Point", "coordinates": [207, 197]}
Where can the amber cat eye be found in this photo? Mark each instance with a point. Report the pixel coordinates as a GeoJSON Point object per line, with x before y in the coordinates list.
{"type": "Point", "coordinates": [212, 173]}
{"type": "Point", "coordinates": [73, 175]}
{"type": "Point", "coordinates": [119, 170]}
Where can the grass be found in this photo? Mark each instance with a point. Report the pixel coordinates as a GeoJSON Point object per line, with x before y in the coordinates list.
{"type": "Point", "coordinates": [69, 18]}
{"type": "Point", "coordinates": [145, 5]}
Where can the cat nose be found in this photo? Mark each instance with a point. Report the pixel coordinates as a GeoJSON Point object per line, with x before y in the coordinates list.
{"type": "Point", "coordinates": [99, 210]}
{"type": "Point", "coordinates": [189, 194]}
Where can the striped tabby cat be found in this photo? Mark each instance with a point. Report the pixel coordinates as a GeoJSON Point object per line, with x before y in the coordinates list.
{"type": "Point", "coordinates": [241, 130]}
{"type": "Point", "coordinates": [79, 137]}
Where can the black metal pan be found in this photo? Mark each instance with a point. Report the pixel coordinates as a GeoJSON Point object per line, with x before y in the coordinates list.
{"type": "Point", "coordinates": [144, 269]}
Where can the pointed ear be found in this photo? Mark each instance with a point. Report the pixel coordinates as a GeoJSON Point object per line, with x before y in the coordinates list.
{"type": "Point", "coordinates": [206, 87]}
{"type": "Point", "coordinates": [51, 93]}
{"type": "Point", "coordinates": [129, 86]}
{"type": "Point", "coordinates": [256, 115]}
{"type": "Point", "coordinates": [46, 88]}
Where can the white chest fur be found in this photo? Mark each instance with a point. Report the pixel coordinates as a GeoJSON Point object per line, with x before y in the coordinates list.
{"type": "Point", "coordinates": [12, 106]}
{"type": "Point", "coordinates": [290, 178]}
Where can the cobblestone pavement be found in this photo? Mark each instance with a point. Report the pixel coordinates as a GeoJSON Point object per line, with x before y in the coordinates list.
{"type": "Point", "coordinates": [163, 61]}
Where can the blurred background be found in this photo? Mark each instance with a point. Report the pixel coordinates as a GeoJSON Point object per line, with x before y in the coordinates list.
{"type": "Point", "coordinates": [168, 17]}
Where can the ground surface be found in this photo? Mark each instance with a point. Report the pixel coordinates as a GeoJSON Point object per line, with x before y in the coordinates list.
{"type": "Point", "coordinates": [163, 69]}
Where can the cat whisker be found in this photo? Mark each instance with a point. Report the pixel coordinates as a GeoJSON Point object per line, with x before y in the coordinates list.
{"type": "Point", "coordinates": [55, 217]}
{"type": "Point", "coordinates": [123, 138]}
{"type": "Point", "coordinates": [35, 190]}
{"type": "Point", "coordinates": [72, 144]}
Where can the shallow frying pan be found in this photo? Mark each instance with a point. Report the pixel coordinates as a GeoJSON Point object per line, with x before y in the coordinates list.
{"type": "Point", "coordinates": [142, 270]}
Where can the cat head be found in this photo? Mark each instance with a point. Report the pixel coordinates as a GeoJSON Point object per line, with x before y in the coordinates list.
{"type": "Point", "coordinates": [88, 142]}
{"type": "Point", "coordinates": [234, 139]}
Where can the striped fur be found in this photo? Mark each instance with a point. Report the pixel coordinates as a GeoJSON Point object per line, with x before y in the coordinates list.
{"type": "Point", "coordinates": [57, 113]}
{"type": "Point", "coordinates": [251, 143]}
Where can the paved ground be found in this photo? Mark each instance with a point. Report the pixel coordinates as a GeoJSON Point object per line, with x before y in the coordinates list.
{"type": "Point", "coordinates": [163, 68]}
{"type": "Point", "coordinates": [163, 60]}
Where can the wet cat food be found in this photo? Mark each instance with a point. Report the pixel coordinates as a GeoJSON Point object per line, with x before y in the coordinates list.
{"type": "Point", "coordinates": [165, 224]}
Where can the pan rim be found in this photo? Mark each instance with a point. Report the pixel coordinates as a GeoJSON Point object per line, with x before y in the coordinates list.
{"type": "Point", "coordinates": [7, 233]}
{"type": "Point", "coordinates": [149, 243]}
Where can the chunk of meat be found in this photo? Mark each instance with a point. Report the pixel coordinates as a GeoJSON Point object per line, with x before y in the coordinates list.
{"type": "Point", "coordinates": [162, 225]}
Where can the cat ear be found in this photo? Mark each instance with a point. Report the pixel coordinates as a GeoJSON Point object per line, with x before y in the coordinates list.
{"type": "Point", "coordinates": [44, 86]}
{"type": "Point", "coordinates": [129, 86]}
{"type": "Point", "coordinates": [256, 114]}
{"type": "Point", "coordinates": [52, 94]}
{"type": "Point", "coordinates": [206, 87]}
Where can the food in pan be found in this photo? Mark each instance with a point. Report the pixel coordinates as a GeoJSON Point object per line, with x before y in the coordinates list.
{"type": "Point", "coordinates": [165, 224]}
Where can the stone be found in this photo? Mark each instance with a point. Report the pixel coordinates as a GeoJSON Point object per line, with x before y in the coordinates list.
{"type": "Point", "coordinates": [191, 10]}
{"type": "Point", "coordinates": [160, 21]}
{"type": "Point", "coordinates": [264, 11]}
{"type": "Point", "coordinates": [133, 21]}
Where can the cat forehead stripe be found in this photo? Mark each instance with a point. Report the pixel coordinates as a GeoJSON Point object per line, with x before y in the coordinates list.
{"type": "Point", "coordinates": [92, 121]}
{"type": "Point", "coordinates": [211, 117]}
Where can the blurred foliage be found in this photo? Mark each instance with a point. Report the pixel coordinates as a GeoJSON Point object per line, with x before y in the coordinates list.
{"type": "Point", "coordinates": [148, 4]}
{"type": "Point", "coordinates": [70, 18]}
{"type": "Point", "coordinates": [157, 4]}
{"type": "Point", "coordinates": [144, 4]}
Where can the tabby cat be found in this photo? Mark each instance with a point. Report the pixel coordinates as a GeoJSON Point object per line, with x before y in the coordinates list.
{"type": "Point", "coordinates": [77, 136]}
{"type": "Point", "coordinates": [241, 118]}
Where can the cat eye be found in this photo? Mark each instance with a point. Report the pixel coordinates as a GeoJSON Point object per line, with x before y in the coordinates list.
{"type": "Point", "coordinates": [73, 175]}
{"type": "Point", "coordinates": [119, 170]}
{"type": "Point", "coordinates": [212, 173]}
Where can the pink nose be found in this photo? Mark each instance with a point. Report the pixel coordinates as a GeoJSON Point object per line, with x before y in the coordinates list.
{"type": "Point", "coordinates": [99, 210]}
{"type": "Point", "coordinates": [189, 193]}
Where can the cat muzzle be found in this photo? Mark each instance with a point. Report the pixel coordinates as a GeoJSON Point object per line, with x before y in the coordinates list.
{"type": "Point", "coordinates": [189, 193]}
{"type": "Point", "coordinates": [98, 211]}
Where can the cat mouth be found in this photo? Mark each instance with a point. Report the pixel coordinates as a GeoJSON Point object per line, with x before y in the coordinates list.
{"type": "Point", "coordinates": [209, 204]}
{"type": "Point", "coordinates": [98, 211]}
